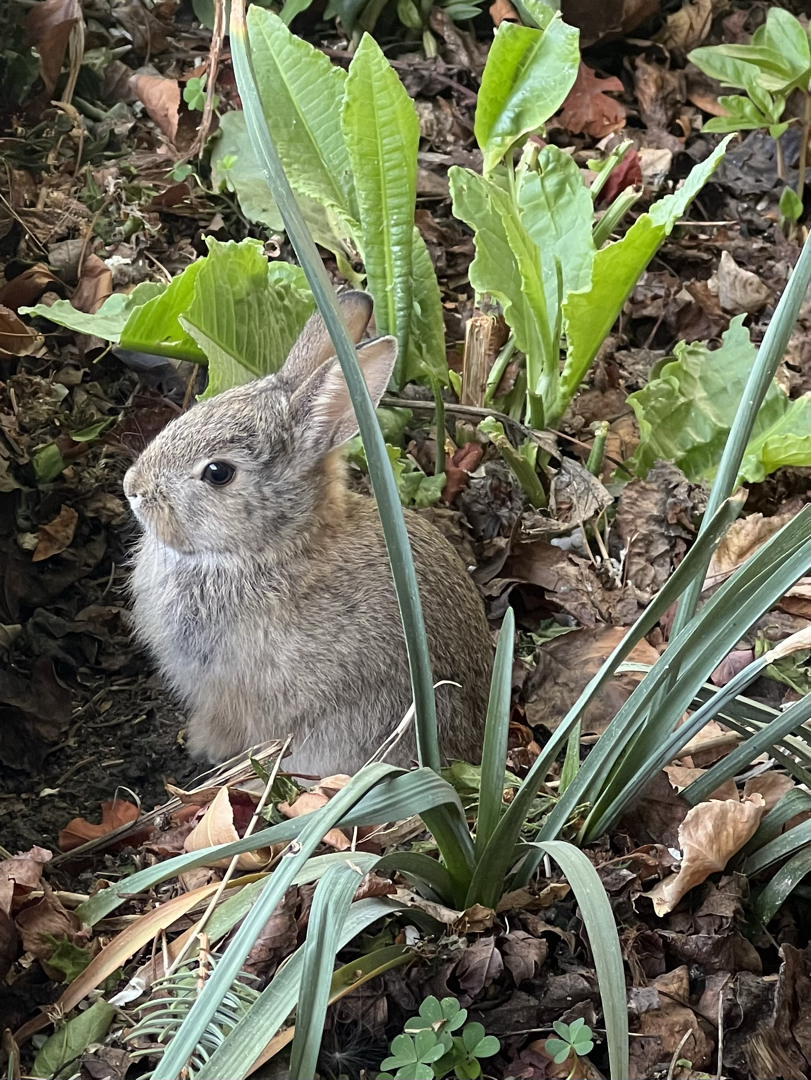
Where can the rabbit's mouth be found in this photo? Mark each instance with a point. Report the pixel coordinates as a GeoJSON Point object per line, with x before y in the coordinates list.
{"type": "Point", "coordinates": [161, 523]}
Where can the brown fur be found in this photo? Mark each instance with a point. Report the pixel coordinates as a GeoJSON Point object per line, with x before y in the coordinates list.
{"type": "Point", "coordinates": [269, 603]}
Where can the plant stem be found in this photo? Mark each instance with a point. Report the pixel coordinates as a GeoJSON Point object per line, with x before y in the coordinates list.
{"type": "Point", "coordinates": [806, 131]}
{"type": "Point", "coordinates": [498, 369]}
{"type": "Point", "coordinates": [439, 421]}
{"type": "Point", "coordinates": [380, 471]}
{"type": "Point", "coordinates": [781, 160]}
{"type": "Point", "coordinates": [597, 455]}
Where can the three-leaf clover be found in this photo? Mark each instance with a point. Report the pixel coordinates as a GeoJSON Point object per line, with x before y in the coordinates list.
{"type": "Point", "coordinates": [575, 1039]}
{"type": "Point", "coordinates": [441, 1016]}
{"type": "Point", "coordinates": [194, 94]}
{"type": "Point", "coordinates": [413, 1056]}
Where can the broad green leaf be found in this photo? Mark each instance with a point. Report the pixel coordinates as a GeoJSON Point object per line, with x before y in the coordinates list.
{"type": "Point", "coordinates": [790, 206]}
{"type": "Point", "coordinates": [382, 135]}
{"type": "Point", "coordinates": [426, 335]}
{"type": "Point", "coordinates": [243, 322]}
{"type": "Point", "coordinates": [247, 180]}
{"type": "Point", "coordinates": [556, 209]}
{"type": "Point", "coordinates": [70, 1040]}
{"type": "Point", "coordinates": [728, 70]}
{"type": "Point", "coordinates": [155, 326]}
{"type": "Point", "coordinates": [244, 177]}
{"type": "Point", "coordinates": [301, 92]}
{"type": "Point", "coordinates": [744, 115]}
{"type": "Point", "coordinates": [686, 410]}
{"type": "Point", "coordinates": [779, 57]}
{"type": "Point", "coordinates": [507, 266]}
{"type": "Point", "coordinates": [528, 74]}
{"type": "Point", "coordinates": [108, 321]}
{"type": "Point", "coordinates": [589, 315]}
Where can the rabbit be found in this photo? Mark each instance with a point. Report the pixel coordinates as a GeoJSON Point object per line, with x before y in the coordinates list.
{"type": "Point", "coordinates": [262, 586]}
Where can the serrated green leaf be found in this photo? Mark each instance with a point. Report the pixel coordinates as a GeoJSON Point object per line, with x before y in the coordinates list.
{"type": "Point", "coordinates": [685, 413]}
{"type": "Point", "coordinates": [589, 315]}
{"type": "Point", "coordinates": [426, 334]}
{"type": "Point", "coordinates": [382, 132]}
{"type": "Point", "coordinates": [155, 327]}
{"type": "Point", "coordinates": [70, 1040]}
{"type": "Point", "coordinates": [508, 267]}
{"type": "Point", "coordinates": [528, 74]}
{"type": "Point", "coordinates": [301, 92]}
{"type": "Point", "coordinates": [556, 210]}
{"type": "Point", "coordinates": [244, 322]}
{"type": "Point", "coordinates": [108, 321]}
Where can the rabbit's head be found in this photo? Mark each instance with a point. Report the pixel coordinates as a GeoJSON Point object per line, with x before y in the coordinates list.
{"type": "Point", "coordinates": [250, 469]}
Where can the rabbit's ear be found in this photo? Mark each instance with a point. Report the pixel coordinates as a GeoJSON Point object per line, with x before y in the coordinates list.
{"type": "Point", "coordinates": [322, 406]}
{"type": "Point", "coordinates": [314, 345]}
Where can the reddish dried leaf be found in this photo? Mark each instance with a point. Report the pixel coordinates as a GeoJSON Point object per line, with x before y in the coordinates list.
{"type": "Point", "coordinates": [113, 815]}
{"type": "Point", "coordinates": [161, 99]}
{"type": "Point", "coordinates": [20, 874]}
{"type": "Point", "coordinates": [503, 11]}
{"type": "Point", "coordinates": [53, 538]}
{"type": "Point", "coordinates": [217, 827]}
{"type": "Point", "coordinates": [48, 26]}
{"type": "Point", "coordinates": [458, 469]}
{"type": "Point", "coordinates": [628, 173]}
{"type": "Point", "coordinates": [16, 339]}
{"type": "Point", "coordinates": [95, 285]}
{"type": "Point", "coordinates": [588, 110]}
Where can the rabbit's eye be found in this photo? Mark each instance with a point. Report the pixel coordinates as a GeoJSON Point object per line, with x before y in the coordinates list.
{"type": "Point", "coordinates": [218, 473]}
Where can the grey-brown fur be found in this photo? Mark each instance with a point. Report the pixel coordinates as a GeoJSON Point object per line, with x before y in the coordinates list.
{"type": "Point", "coordinates": [268, 603]}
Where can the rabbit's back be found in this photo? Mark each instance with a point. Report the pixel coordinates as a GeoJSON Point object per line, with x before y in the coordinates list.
{"type": "Point", "coordinates": [314, 646]}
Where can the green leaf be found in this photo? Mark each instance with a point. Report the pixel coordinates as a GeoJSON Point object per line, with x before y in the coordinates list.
{"type": "Point", "coordinates": [243, 176]}
{"type": "Point", "coordinates": [557, 210]}
{"type": "Point", "coordinates": [528, 74]}
{"type": "Point", "coordinates": [507, 266]}
{"type": "Point", "coordinates": [472, 1035]}
{"type": "Point", "coordinates": [558, 1050]}
{"type": "Point", "coordinates": [155, 327]}
{"type": "Point", "coordinates": [331, 901]}
{"type": "Point", "coordinates": [48, 463]}
{"type": "Point", "coordinates": [589, 315]}
{"type": "Point", "coordinates": [72, 1039]}
{"type": "Point", "coordinates": [486, 1047]}
{"type": "Point", "coordinates": [496, 735]}
{"type": "Point", "coordinates": [784, 881]}
{"type": "Point", "coordinates": [68, 958]}
{"type": "Point", "coordinates": [108, 321]}
{"type": "Point", "coordinates": [686, 411]}
{"type": "Point", "coordinates": [426, 333]}
{"type": "Point", "coordinates": [382, 135]}
{"type": "Point", "coordinates": [790, 206]}
{"type": "Point", "coordinates": [245, 323]}
{"type": "Point", "coordinates": [744, 114]}
{"type": "Point", "coordinates": [301, 92]}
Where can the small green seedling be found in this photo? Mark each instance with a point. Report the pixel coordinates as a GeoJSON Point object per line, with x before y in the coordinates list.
{"type": "Point", "coordinates": [427, 1050]}
{"type": "Point", "coordinates": [574, 1042]}
{"type": "Point", "coordinates": [194, 94]}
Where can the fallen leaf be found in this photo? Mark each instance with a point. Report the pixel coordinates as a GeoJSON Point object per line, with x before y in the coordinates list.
{"type": "Point", "coordinates": [731, 665]}
{"type": "Point", "coordinates": [217, 827]}
{"type": "Point", "coordinates": [458, 469]}
{"type": "Point", "coordinates": [34, 709]}
{"type": "Point", "coordinates": [588, 110]}
{"type": "Point", "coordinates": [277, 938]}
{"type": "Point", "coordinates": [503, 11]}
{"type": "Point", "coordinates": [772, 786]}
{"type": "Point", "coordinates": [626, 173]}
{"type": "Point", "coordinates": [9, 944]}
{"type": "Point", "coordinates": [20, 874]}
{"type": "Point", "coordinates": [688, 27]}
{"type": "Point", "coordinates": [672, 1019]}
{"type": "Point", "coordinates": [161, 99]}
{"type": "Point", "coordinates": [523, 954]}
{"type": "Point", "coordinates": [95, 285]}
{"type": "Point", "coordinates": [480, 965]}
{"type": "Point", "coordinates": [781, 1045]}
{"type": "Point", "coordinates": [114, 814]}
{"type": "Point", "coordinates": [53, 538]}
{"type": "Point", "coordinates": [48, 26]}
{"type": "Point", "coordinates": [743, 538]}
{"type": "Point", "coordinates": [16, 339]}
{"type": "Point", "coordinates": [26, 288]}
{"type": "Point", "coordinates": [709, 836]}
{"type": "Point", "coordinates": [600, 22]}
{"type": "Point", "coordinates": [740, 291]}
{"type": "Point", "coordinates": [681, 776]}
{"type": "Point", "coordinates": [43, 919]}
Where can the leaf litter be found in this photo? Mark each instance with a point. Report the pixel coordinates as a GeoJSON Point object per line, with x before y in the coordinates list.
{"type": "Point", "coordinates": [102, 207]}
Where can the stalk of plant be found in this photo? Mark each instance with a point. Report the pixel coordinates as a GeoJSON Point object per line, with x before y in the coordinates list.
{"type": "Point", "coordinates": [380, 471]}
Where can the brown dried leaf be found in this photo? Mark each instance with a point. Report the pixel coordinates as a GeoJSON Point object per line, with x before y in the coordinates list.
{"type": "Point", "coordinates": [772, 786]}
{"type": "Point", "coordinates": [709, 836]}
{"type": "Point", "coordinates": [95, 285]}
{"type": "Point", "coordinates": [672, 1019]}
{"type": "Point", "coordinates": [16, 339]}
{"type": "Point", "coordinates": [40, 920]}
{"type": "Point", "coordinates": [277, 939]}
{"type": "Point", "coordinates": [458, 469]}
{"type": "Point", "coordinates": [217, 827]}
{"type": "Point", "coordinates": [681, 776]}
{"type": "Point", "coordinates": [20, 874]}
{"type": "Point", "coordinates": [48, 26]}
{"type": "Point", "coordinates": [503, 11]}
{"type": "Point", "coordinates": [740, 291]}
{"type": "Point", "coordinates": [114, 814]}
{"type": "Point", "coordinates": [588, 110]}
{"type": "Point", "coordinates": [161, 99]}
{"type": "Point", "coordinates": [480, 965]}
{"type": "Point", "coordinates": [27, 287]}
{"type": "Point", "coordinates": [53, 538]}
{"type": "Point", "coordinates": [688, 27]}
{"type": "Point", "coordinates": [524, 955]}
{"type": "Point", "coordinates": [743, 538]}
